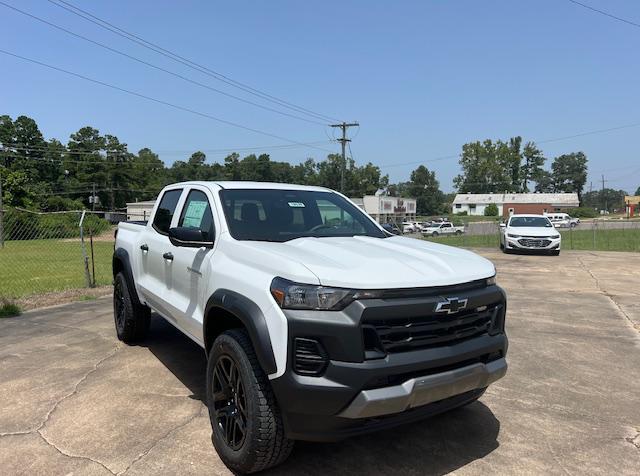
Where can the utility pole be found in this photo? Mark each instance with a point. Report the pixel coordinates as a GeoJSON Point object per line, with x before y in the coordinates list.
{"type": "Point", "coordinates": [93, 196]}
{"type": "Point", "coordinates": [604, 198]}
{"type": "Point", "coordinates": [343, 141]}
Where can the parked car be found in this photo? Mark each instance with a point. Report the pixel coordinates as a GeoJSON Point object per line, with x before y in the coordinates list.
{"type": "Point", "coordinates": [442, 228]}
{"type": "Point", "coordinates": [408, 227]}
{"type": "Point", "coordinates": [300, 301]}
{"type": "Point", "coordinates": [530, 233]}
{"type": "Point", "coordinates": [392, 228]}
{"type": "Point", "coordinates": [562, 220]}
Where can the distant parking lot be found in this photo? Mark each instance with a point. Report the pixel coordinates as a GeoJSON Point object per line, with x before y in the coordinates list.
{"type": "Point", "coordinates": [75, 400]}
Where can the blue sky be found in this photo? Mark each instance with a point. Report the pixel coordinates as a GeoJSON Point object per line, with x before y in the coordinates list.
{"type": "Point", "coordinates": [421, 77]}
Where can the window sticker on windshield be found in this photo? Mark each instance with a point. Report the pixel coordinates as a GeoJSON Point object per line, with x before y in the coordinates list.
{"type": "Point", "coordinates": [195, 212]}
{"type": "Point", "coordinates": [296, 204]}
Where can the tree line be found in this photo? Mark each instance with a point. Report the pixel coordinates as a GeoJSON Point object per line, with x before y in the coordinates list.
{"type": "Point", "coordinates": [48, 175]}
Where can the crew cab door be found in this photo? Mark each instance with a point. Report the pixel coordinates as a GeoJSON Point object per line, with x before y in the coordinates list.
{"type": "Point", "coordinates": [154, 276]}
{"type": "Point", "coordinates": [190, 267]}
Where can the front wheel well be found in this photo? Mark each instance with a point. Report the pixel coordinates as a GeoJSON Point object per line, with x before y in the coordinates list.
{"type": "Point", "coordinates": [216, 322]}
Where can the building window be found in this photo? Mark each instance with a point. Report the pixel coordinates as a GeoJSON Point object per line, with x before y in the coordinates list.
{"type": "Point", "coordinates": [472, 206]}
{"type": "Point", "coordinates": [458, 205]}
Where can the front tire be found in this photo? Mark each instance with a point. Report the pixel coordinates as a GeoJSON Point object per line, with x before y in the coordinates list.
{"type": "Point", "coordinates": [132, 320]}
{"type": "Point", "coordinates": [435, 234]}
{"type": "Point", "coordinates": [555, 253]}
{"type": "Point", "coordinates": [247, 428]}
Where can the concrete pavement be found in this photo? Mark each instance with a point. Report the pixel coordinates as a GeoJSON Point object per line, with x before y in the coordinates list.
{"type": "Point", "coordinates": [75, 400]}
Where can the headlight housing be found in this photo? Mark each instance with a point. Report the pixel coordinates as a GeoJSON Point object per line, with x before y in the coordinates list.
{"type": "Point", "coordinates": [491, 281]}
{"type": "Point", "coordinates": [513, 236]}
{"type": "Point", "coordinates": [555, 237]}
{"type": "Point", "coordinates": [290, 295]}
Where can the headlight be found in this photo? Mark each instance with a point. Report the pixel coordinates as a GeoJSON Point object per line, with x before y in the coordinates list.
{"type": "Point", "coordinates": [491, 281]}
{"type": "Point", "coordinates": [555, 237]}
{"type": "Point", "coordinates": [290, 295]}
{"type": "Point", "coordinates": [513, 236]}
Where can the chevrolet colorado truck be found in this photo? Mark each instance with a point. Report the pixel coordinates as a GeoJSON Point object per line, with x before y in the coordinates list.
{"type": "Point", "coordinates": [316, 323]}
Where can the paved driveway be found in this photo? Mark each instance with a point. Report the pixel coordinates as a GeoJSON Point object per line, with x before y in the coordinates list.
{"type": "Point", "coordinates": [75, 400]}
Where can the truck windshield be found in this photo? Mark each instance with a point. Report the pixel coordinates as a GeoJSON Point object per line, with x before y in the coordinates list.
{"type": "Point", "coordinates": [530, 221]}
{"type": "Point", "coordinates": [283, 215]}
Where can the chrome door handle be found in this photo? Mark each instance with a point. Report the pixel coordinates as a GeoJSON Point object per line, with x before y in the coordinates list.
{"type": "Point", "coordinates": [168, 256]}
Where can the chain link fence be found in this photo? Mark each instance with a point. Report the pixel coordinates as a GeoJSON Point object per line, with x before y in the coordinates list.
{"type": "Point", "coordinates": [47, 252]}
{"type": "Point", "coordinates": [594, 235]}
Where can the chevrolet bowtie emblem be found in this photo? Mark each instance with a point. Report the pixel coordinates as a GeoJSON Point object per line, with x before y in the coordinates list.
{"type": "Point", "coordinates": [451, 305]}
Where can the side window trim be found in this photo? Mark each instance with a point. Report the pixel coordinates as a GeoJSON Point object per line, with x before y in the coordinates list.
{"type": "Point", "coordinates": [178, 203]}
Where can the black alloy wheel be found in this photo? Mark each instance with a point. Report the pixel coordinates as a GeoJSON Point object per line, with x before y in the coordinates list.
{"type": "Point", "coordinates": [230, 402]}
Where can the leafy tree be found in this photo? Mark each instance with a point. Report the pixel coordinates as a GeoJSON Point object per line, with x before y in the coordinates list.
{"type": "Point", "coordinates": [491, 210]}
{"type": "Point", "coordinates": [606, 199]}
{"type": "Point", "coordinates": [569, 172]}
{"type": "Point", "coordinates": [426, 189]}
{"type": "Point", "coordinates": [545, 183]}
{"type": "Point", "coordinates": [637, 191]}
{"type": "Point", "coordinates": [531, 169]}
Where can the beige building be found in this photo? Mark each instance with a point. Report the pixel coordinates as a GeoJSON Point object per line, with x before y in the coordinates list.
{"type": "Point", "coordinates": [386, 209]}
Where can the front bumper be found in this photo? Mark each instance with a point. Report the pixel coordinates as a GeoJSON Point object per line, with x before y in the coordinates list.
{"type": "Point", "coordinates": [356, 395]}
{"type": "Point", "coordinates": [533, 244]}
{"type": "Point", "coordinates": [420, 391]}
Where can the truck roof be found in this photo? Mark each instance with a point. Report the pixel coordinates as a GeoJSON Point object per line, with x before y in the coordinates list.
{"type": "Point", "coordinates": [230, 184]}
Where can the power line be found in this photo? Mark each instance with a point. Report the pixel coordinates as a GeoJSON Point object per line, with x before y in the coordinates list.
{"type": "Point", "coordinates": [66, 150]}
{"type": "Point", "coordinates": [158, 101]}
{"type": "Point", "coordinates": [545, 141]}
{"type": "Point", "coordinates": [184, 61]}
{"type": "Point", "coordinates": [151, 65]}
{"type": "Point", "coordinates": [607, 14]}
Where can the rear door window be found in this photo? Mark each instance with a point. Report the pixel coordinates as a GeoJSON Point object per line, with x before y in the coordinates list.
{"type": "Point", "coordinates": [165, 211]}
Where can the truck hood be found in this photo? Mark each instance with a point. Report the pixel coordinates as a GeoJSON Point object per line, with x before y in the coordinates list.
{"type": "Point", "coordinates": [532, 231]}
{"type": "Point", "coordinates": [375, 263]}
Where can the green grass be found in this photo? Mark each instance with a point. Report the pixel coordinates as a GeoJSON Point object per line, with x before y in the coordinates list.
{"type": "Point", "coordinates": [9, 309]}
{"type": "Point", "coordinates": [38, 266]}
{"type": "Point", "coordinates": [605, 240]}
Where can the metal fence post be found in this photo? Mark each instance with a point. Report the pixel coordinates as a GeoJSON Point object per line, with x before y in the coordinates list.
{"type": "Point", "coordinates": [593, 227]}
{"type": "Point", "coordinates": [85, 258]}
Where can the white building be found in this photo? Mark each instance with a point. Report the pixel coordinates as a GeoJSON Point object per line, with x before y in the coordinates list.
{"type": "Point", "coordinates": [509, 203]}
{"type": "Point", "coordinates": [387, 209]}
{"type": "Point", "coordinates": [140, 210]}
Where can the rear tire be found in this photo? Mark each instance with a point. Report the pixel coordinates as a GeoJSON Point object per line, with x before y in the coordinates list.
{"type": "Point", "coordinates": [435, 234]}
{"type": "Point", "coordinates": [131, 319]}
{"type": "Point", "coordinates": [240, 400]}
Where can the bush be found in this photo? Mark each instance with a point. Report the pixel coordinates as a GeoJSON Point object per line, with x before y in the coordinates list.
{"type": "Point", "coordinates": [8, 308]}
{"type": "Point", "coordinates": [462, 214]}
{"type": "Point", "coordinates": [491, 210]}
{"type": "Point", "coordinates": [581, 212]}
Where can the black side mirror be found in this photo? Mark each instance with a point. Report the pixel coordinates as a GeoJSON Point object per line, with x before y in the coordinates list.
{"type": "Point", "coordinates": [188, 237]}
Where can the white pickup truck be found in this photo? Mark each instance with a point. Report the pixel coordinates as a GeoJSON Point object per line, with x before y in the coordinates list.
{"type": "Point", "coordinates": [442, 228]}
{"type": "Point", "coordinates": [317, 324]}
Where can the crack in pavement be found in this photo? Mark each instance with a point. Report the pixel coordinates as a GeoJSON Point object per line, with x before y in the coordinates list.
{"type": "Point", "coordinates": [69, 455]}
{"type": "Point", "coordinates": [608, 295]}
{"type": "Point", "coordinates": [634, 440]}
{"type": "Point", "coordinates": [159, 440]}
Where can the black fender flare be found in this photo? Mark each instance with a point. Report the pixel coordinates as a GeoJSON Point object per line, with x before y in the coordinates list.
{"type": "Point", "coordinates": [120, 255]}
{"type": "Point", "coordinates": [253, 320]}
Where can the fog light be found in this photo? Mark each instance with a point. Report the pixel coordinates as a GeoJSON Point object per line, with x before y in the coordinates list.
{"type": "Point", "coordinates": [310, 358]}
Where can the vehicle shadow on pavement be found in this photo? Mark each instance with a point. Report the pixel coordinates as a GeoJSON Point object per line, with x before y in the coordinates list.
{"type": "Point", "coordinates": [434, 446]}
{"type": "Point", "coordinates": [179, 354]}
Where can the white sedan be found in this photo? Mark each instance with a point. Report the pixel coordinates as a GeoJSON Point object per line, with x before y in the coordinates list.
{"type": "Point", "coordinates": [529, 233]}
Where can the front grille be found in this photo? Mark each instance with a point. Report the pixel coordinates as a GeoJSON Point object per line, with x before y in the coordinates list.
{"type": "Point", "coordinates": [412, 333]}
{"type": "Point", "coordinates": [534, 243]}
